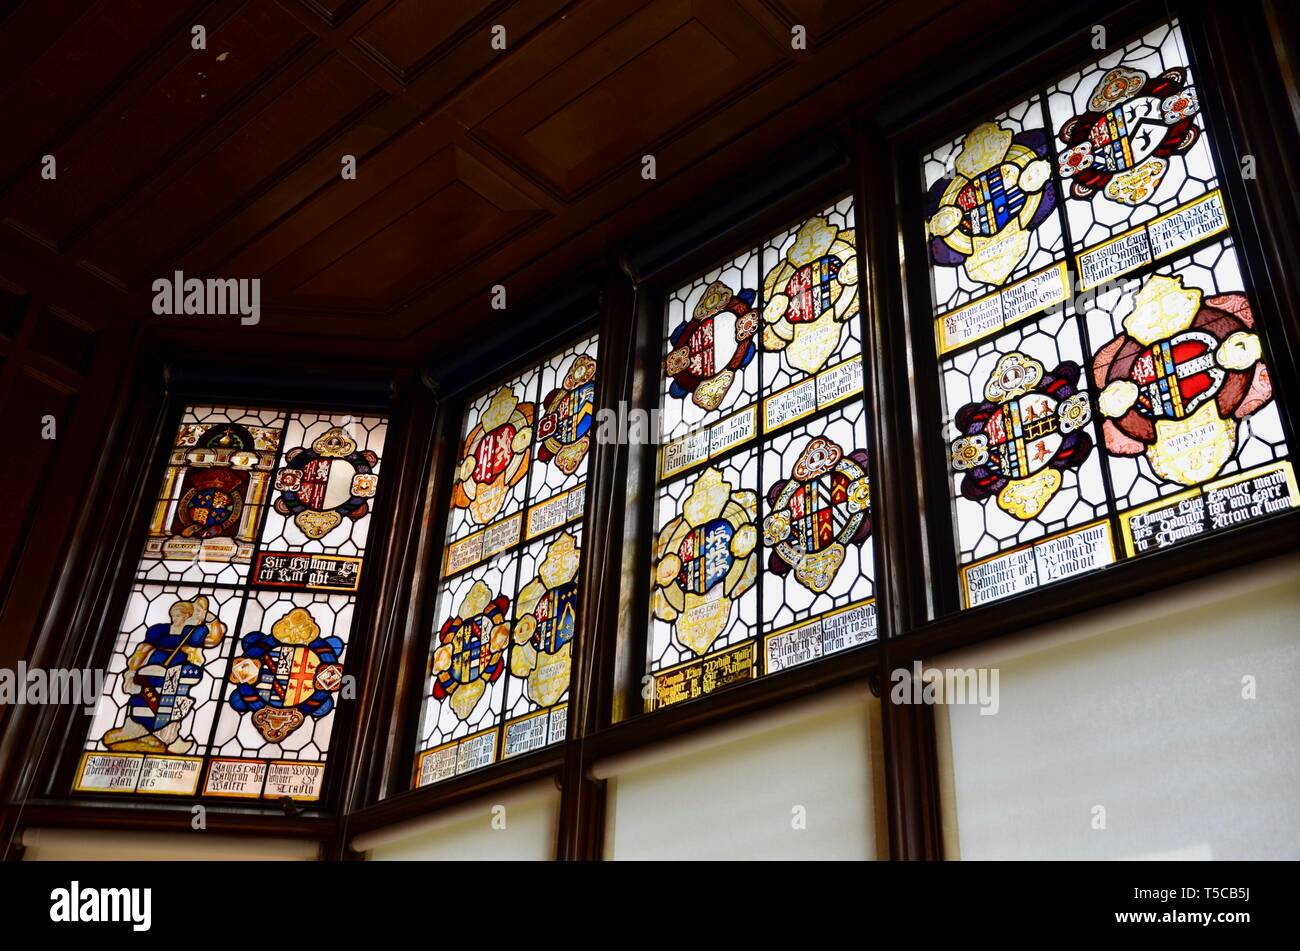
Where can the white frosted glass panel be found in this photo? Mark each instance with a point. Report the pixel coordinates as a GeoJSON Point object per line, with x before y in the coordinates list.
{"type": "Point", "coordinates": [504, 828]}
{"type": "Point", "coordinates": [740, 799]}
{"type": "Point", "coordinates": [1140, 710]}
{"type": "Point", "coordinates": [69, 845]}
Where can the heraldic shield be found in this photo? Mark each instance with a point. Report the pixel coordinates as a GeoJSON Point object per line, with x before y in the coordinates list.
{"type": "Point", "coordinates": [288, 675]}
{"type": "Point", "coordinates": [159, 676]}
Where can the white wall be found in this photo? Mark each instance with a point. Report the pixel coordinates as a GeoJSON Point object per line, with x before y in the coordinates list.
{"type": "Point", "coordinates": [1137, 708]}
{"type": "Point", "coordinates": [734, 795]}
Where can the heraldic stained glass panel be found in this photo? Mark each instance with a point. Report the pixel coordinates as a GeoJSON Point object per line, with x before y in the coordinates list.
{"type": "Point", "coordinates": [232, 653]}
{"type": "Point", "coordinates": [497, 683]}
{"type": "Point", "coordinates": [1102, 374]}
{"type": "Point", "coordinates": [762, 555]}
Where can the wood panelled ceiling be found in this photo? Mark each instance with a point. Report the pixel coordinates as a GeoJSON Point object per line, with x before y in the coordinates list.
{"type": "Point", "coordinates": [476, 166]}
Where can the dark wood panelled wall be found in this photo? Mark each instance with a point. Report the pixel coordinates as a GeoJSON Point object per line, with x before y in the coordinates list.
{"type": "Point", "coordinates": [523, 168]}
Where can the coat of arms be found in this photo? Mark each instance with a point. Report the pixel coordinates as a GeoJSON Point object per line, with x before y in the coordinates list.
{"type": "Point", "coordinates": [566, 417]}
{"type": "Point", "coordinates": [711, 347]}
{"type": "Point", "coordinates": [1180, 378]}
{"type": "Point", "coordinates": [705, 560]}
{"type": "Point", "coordinates": [494, 456]}
{"type": "Point", "coordinates": [326, 483]}
{"type": "Point", "coordinates": [224, 470]}
{"type": "Point", "coordinates": [980, 217]}
{"type": "Point", "coordinates": [159, 675]}
{"type": "Point", "coordinates": [810, 293]}
{"type": "Point", "coordinates": [823, 506]}
{"type": "Point", "coordinates": [1029, 428]}
{"type": "Point", "coordinates": [547, 623]}
{"type": "Point", "coordinates": [1122, 143]}
{"type": "Point", "coordinates": [470, 650]}
{"type": "Point", "coordinates": [287, 675]}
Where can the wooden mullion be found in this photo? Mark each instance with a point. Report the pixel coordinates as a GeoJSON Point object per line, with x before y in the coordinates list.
{"type": "Point", "coordinates": [407, 444]}
{"type": "Point", "coordinates": [591, 688]}
{"type": "Point", "coordinates": [898, 500]}
{"type": "Point", "coordinates": [911, 776]}
{"type": "Point", "coordinates": [581, 821]}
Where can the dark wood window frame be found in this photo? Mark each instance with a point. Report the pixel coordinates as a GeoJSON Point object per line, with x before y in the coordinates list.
{"type": "Point", "coordinates": [98, 576]}
{"type": "Point", "coordinates": [1246, 50]}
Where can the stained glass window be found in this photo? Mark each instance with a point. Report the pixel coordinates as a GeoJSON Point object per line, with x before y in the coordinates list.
{"type": "Point", "coordinates": [231, 658]}
{"type": "Point", "coordinates": [762, 553]}
{"type": "Point", "coordinates": [497, 683]}
{"type": "Point", "coordinates": [1102, 375]}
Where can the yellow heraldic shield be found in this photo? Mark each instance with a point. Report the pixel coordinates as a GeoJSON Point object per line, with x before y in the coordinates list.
{"type": "Point", "coordinates": [809, 295]}
{"type": "Point", "coordinates": [547, 611]}
{"type": "Point", "coordinates": [705, 559]}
